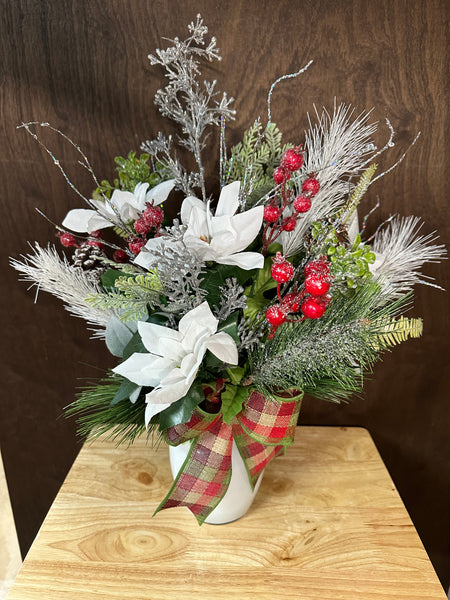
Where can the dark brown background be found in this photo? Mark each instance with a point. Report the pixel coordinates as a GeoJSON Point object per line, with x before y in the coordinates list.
{"type": "Point", "coordinates": [82, 66]}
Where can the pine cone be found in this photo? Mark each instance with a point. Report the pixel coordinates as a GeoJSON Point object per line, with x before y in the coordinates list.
{"type": "Point", "coordinates": [88, 259]}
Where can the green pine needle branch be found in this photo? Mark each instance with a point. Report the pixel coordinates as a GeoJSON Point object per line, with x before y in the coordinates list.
{"type": "Point", "coordinates": [122, 422]}
{"type": "Point", "coordinates": [327, 357]}
{"type": "Point", "coordinates": [254, 159]}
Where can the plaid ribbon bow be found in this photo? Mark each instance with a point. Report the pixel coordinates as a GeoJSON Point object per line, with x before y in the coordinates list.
{"type": "Point", "coordinates": [261, 430]}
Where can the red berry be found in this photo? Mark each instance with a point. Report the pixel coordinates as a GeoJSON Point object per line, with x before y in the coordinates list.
{"type": "Point", "coordinates": [135, 244]}
{"type": "Point", "coordinates": [96, 244]}
{"type": "Point", "coordinates": [313, 308]}
{"type": "Point", "coordinates": [292, 302]}
{"type": "Point", "coordinates": [311, 185]}
{"type": "Point", "coordinates": [271, 213]}
{"type": "Point", "coordinates": [275, 316]}
{"type": "Point", "coordinates": [141, 226]}
{"type": "Point", "coordinates": [302, 204]}
{"type": "Point", "coordinates": [320, 266]}
{"type": "Point", "coordinates": [316, 285]}
{"type": "Point", "coordinates": [280, 175]}
{"type": "Point", "coordinates": [153, 216]}
{"type": "Point", "coordinates": [98, 233]}
{"type": "Point", "coordinates": [289, 223]}
{"type": "Point", "coordinates": [120, 256]}
{"type": "Point", "coordinates": [67, 240]}
{"type": "Point", "coordinates": [292, 160]}
{"type": "Point", "coordinates": [281, 270]}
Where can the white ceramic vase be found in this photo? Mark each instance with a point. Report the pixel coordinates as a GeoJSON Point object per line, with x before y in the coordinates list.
{"type": "Point", "coordinates": [239, 496]}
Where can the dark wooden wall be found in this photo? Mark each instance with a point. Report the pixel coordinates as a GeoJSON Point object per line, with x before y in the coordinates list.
{"type": "Point", "coordinates": [82, 66]}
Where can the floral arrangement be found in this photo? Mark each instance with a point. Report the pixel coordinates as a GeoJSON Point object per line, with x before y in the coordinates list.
{"type": "Point", "coordinates": [222, 318]}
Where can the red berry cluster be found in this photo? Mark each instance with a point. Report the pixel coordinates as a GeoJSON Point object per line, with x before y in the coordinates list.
{"type": "Point", "coordinates": [68, 240]}
{"type": "Point", "coordinates": [312, 300]}
{"type": "Point", "coordinates": [282, 271]}
{"type": "Point", "coordinates": [151, 218]}
{"type": "Point", "coordinates": [317, 284]}
{"type": "Point", "coordinates": [291, 161]}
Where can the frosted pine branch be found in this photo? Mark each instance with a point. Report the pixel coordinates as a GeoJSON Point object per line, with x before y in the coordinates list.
{"type": "Point", "coordinates": [338, 146]}
{"type": "Point", "coordinates": [401, 253]}
{"type": "Point", "coordinates": [46, 271]}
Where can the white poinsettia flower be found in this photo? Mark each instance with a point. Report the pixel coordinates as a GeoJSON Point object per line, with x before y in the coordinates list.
{"type": "Point", "coordinates": [220, 238]}
{"type": "Point", "coordinates": [223, 237]}
{"type": "Point", "coordinates": [122, 207]}
{"type": "Point", "coordinates": [174, 357]}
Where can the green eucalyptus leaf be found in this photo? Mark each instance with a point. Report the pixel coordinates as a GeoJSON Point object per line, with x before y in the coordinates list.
{"type": "Point", "coordinates": [134, 345]}
{"type": "Point", "coordinates": [124, 392]}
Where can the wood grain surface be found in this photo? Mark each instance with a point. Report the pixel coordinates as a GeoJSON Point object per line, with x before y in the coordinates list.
{"type": "Point", "coordinates": [81, 65]}
{"type": "Point", "coordinates": [327, 523]}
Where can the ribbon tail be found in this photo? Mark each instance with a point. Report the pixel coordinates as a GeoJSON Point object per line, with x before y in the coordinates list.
{"type": "Point", "coordinates": [205, 475]}
{"type": "Point", "coordinates": [255, 455]}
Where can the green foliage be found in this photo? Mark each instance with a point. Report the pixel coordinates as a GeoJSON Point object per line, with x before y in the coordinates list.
{"type": "Point", "coordinates": [131, 170]}
{"type": "Point", "coordinates": [394, 331]}
{"type": "Point", "coordinates": [124, 392]}
{"type": "Point", "coordinates": [349, 265]}
{"type": "Point", "coordinates": [232, 398]}
{"type": "Point", "coordinates": [129, 295]}
{"type": "Point", "coordinates": [181, 411]}
{"type": "Point", "coordinates": [353, 202]}
{"type": "Point", "coordinates": [256, 158]}
{"type": "Point", "coordinates": [215, 277]}
{"type": "Point", "coordinates": [326, 357]}
{"type": "Point", "coordinates": [97, 415]}
{"type": "Point", "coordinates": [263, 283]}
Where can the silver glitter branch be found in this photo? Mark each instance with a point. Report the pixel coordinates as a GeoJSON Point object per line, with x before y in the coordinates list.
{"type": "Point", "coordinates": [251, 332]}
{"type": "Point", "coordinates": [180, 274]}
{"type": "Point", "coordinates": [161, 149]}
{"type": "Point", "coordinates": [232, 298]}
{"type": "Point", "coordinates": [194, 106]}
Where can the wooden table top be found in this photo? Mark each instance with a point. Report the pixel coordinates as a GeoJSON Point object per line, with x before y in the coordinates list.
{"type": "Point", "coordinates": [327, 524]}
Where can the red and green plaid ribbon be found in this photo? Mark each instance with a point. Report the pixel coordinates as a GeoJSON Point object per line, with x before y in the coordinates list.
{"type": "Point", "coordinates": [263, 428]}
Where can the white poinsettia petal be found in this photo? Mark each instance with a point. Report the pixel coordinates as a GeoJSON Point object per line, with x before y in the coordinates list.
{"type": "Point", "coordinates": [160, 192]}
{"type": "Point", "coordinates": [84, 220]}
{"type": "Point", "coordinates": [160, 340]}
{"type": "Point", "coordinates": [188, 204]}
{"type": "Point", "coordinates": [229, 199]}
{"type": "Point", "coordinates": [140, 193]}
{"type": "Point", "coordinates": [201, 314]}
{"type": "Point", "coordinates": [247, 226]}
{"type": "Point", "coordinates": [146, 258]}
{"type": "Point", "coordinates": [168, 394]}
{"type": "Point", "coordinates": [103, 207]}
{"type": "Point", "coordinates": [198, 224]}
{"type": "Point", "coordinates": [224, 347]}
{"type": "Point", "coordinates": [153, 409]}
{"type": "Point", "coordinates": [135, 395]}
{"type": "Point", "coordinates": [144, 369]}
{"type": "Point", "coordinates": [244, 260]}
{"type": "Point", "coordinates": [120, 198]}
